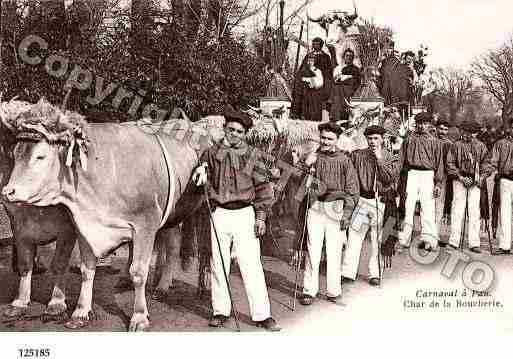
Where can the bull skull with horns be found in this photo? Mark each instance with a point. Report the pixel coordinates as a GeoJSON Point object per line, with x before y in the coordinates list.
{"type": "Point", "coordinates": [343, 18]}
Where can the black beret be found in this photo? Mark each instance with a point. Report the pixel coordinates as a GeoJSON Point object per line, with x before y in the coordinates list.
{"type": "Point", "coordinates": [470, 126]}
{"type": "Point", "coordinates": [319, 40]}
{"type": "Point", "coordinates": [374, 130]}
{"type": "Point", "coordinates": [423, 117]}
{"type": "Point", "coordinates": [443, 122]}
{"type": "Point", "coordinates": [331, 127]}
{"type": "Point", "coordinates": [231, 115]}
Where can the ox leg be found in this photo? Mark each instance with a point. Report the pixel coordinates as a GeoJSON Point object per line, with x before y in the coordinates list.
{"type": "Point", "coordinates": [124, 281]}
{"type": "Point", "coordinates": [24, 262]}
{"type": "Point", "coordinates": [170, 239]}
{"type": "Point", "coordinates": [80, 316]}
{"type": "Point", "coordinates": [160, 249]}
{"type": "Point", "coordinates": [57, 307]}
{"type": "Point", "coordinates": [143, 249]}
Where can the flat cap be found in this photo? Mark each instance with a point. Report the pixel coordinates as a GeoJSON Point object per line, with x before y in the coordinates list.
{"type": "Point", "coordinates": [423, 117]}
{"type": "Point", "coordinates": [231, 115]}
{"type": "Point", "coordinates": [470, 126]}
{"type": "Point", "coordinates": [331, 127]}
{"type": "Point", "coordinates": [374, 130]}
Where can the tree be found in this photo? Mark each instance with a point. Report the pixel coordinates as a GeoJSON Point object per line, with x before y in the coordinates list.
{"type": "Point", "coordinates": [457, 90]}
{"type": "Point", "coordinates": [495, 70]}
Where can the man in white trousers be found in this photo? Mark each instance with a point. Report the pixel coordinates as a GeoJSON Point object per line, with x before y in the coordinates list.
{"type": "Point", "coordinates": [240, 198]}
{"type": "Point", "coordinates": [501, 160]}
{"type": "Point", "coordinates": [421, 156]}
{"type": "Point", "coordinates": [329, 214]}
{"type": "Point", "coordinates": [467, 167]}
{"type": "Point", "coordinates": [442, 205]}
{"type": "Point", "coordinates": [376, 171]}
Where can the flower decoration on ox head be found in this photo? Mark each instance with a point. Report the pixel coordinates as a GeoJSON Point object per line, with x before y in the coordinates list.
{"type": "Point", "coordinates": [44, 121]}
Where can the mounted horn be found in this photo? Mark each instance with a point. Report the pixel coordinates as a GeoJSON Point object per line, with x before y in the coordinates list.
{"type": "Point", "coordinates": [3, 118]}
{"type": "Point", "coordinates": [318, 20]}
{"type": "Point", "coordinates": [355, 15]}
{"type": "Point", "coordinates": [65, 101]}
{"type": "Point", "coordinates": [352, 107]}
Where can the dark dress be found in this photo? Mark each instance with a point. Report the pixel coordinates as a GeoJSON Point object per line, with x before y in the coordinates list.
{"type": "Point", "coordinates": [344, 90]}
{"type": "Point", "coordinates": [308, 103]}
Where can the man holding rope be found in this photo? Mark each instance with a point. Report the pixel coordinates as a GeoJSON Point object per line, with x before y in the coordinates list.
{"type": "Point", "coordinates": [376, 170]}
{"type": "Point", "coordinates": [239, 198]}
{"type": "Point", "coordinates": [468, 167]}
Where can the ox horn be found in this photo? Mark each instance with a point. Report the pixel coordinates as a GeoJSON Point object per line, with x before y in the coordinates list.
{"type": "Point", "coordinates": [65, 101]}
{"type": "Point", "coordinates": [318, 20]}
{"type": "Point", "coordinates": [355, 15]}
{"type": "Point", "coordinates": [349, 105]}
{"type": "Point", "coordinates": [4, 120]}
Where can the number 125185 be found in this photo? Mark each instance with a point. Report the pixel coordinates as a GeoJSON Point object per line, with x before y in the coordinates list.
{"type": "Point", "coordinates": [34, 353]}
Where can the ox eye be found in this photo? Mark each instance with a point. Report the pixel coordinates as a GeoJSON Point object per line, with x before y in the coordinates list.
{"type": "Point", "coordinates": [40, 157]}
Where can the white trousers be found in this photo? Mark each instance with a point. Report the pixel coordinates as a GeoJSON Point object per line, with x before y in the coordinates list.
{"type": "Point", "coordinates": [420, 187]}
{"type": "Point", "coordinates": [364, 219]}
{"type": "Point", "coordinates": [504, 234]}
{"type": "Point", "coordinates": [323, 223]}
{"type": "Point", "coordinates": [458, 214]}
{"type": "Point", "coordinates": [236, 227]}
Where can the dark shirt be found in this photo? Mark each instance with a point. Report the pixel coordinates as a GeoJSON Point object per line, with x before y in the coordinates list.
{"type": "Point", "coordinates": [422, 151]}
{"type": "Point", "coordinates": [351, 84]}
{"type": "Point", "coordinates": [336, 179]}
{"type": "Point", "coordinates": [446, 144]}
{"type": "Point", "coordinates": [464, 158]}
{"type": "Point", "coordinates": [236, 179]}
{"type": "Point", "coordinates": [501, 157]}
{"type": "Point", "coordinates": [366, 164]}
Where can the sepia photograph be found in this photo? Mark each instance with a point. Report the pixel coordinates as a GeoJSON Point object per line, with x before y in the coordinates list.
{"type": "Point", "coordinates": [254, 171]}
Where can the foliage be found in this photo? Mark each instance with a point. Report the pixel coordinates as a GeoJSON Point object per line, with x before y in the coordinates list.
{"type": "Point", "coordinates": [495, 70]}
{"type": "Point", "coordinates": [372, 41]}
{"type": "Point", "coordinates": [176, 63]}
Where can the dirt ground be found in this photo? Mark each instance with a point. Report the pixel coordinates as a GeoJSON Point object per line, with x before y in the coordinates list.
{"type": "Point", "coordinates": [362, 307]}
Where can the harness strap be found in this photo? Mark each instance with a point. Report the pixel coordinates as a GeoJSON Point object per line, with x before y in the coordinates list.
{"type": "Point", "coordinates": [171, 186]}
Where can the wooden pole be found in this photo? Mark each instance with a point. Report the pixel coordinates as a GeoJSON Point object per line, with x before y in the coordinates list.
{"type": "Point", "coordinates": [299, 45]}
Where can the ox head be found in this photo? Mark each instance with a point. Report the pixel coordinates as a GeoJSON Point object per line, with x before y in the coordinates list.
{"type": "Point", "coordinates": [47, 139]}
{"type": "Point", "coordinates": [37, 167]}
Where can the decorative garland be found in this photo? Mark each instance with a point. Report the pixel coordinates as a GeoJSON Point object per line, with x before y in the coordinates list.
{"type": "Point", "coordinates": [46, 121]}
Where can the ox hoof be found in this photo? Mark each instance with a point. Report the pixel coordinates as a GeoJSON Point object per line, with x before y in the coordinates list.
{"type": "Point", "coordinates": [124, 283]}
{"type": "Point", "coordinates": [79, 322]}
{"type": "Point", "coordinates": [159, 294]}
{"type": "Point", "coordinates": [55, 313]}
{"type": "Point", "coordinates": [139, 323]}
{"type": "Point", "coordinates": [13, 313]}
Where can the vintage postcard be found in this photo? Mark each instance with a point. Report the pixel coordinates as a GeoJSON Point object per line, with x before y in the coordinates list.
{"type": "Point", "coordinates": [240, 170]}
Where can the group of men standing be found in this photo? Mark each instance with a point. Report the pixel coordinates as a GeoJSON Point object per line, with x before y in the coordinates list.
{"type": "Point", "coordinates": [346, 196]}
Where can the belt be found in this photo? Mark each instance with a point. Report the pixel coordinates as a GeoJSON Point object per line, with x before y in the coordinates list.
{"type": "Point", "coordinates": [508, 177]}
{"type": "Point", "coordinates": [418, 168]}
{"type": "Point", "coordinates": [231, 205]}
{"type": "Point", "coordinates": [368, 195]}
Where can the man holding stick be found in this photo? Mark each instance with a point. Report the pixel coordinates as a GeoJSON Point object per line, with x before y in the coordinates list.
{"type": "Point", "coordinates": [421, 156]}
{"type": "Point", "coordinates": [501, 160]}
{"type": "Point", "coordinates": [376, 170]}
{"type": "Point", "coordinates": [329, 215]}
{"type": "Point", "coordinates": [467, 167]}
{"type": "Point", "coordinates": [444, 200]}
{"type": "Point", "coordinates": [240, 198]}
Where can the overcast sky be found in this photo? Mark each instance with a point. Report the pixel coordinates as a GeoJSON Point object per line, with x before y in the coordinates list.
{"type": "Point", "coordinates": [456, 31]}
